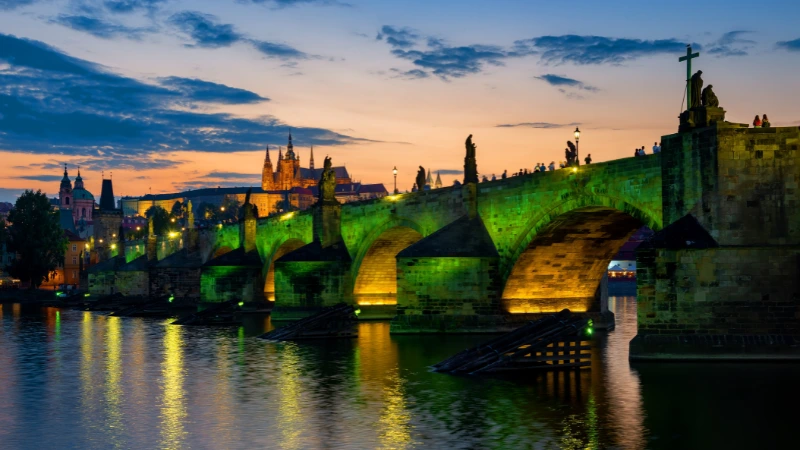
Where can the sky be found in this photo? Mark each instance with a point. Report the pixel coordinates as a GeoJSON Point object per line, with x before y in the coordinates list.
{"type": "Point", "coordinates": [169, 95]}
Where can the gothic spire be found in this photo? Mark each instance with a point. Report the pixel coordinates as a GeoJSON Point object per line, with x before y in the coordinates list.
{"type": "Point", "coordinates": [311, 160]}
{"type": "Point", "coordinates": [280, 153]}
{"type": "Point", "coordinates": [266, 160]}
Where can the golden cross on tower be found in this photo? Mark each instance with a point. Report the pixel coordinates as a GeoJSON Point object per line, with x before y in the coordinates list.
{"type": "Point", "coordinates": [688, 58]}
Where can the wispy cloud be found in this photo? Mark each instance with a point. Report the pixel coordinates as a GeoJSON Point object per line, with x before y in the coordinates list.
{"type": "Point", "coordinates": [433, 56]}
{"type": "Point", "coordinates": [792, 46]}
{"type": "Point", "coordinates": [449, 172]}
{"type": "Point", "coordinates": [232, 176]}
{"type": "Point", "coordinates": [583, 50]}
{"type": "Point", "coordinates": [290, 3]}
{"type": "Point", "coordinates": [127, 6]}
{"type": "Point", "coordinates": [7, 5]}
{"type": "Point", "coordinates": [544, 125]}
{"type": "Point", "coordinates": [51, 102]}
{"type": "Point", "coordinates": [44, 178]}
{"type": "Point", "coordinates": [567, 86]}
{"type": "Point", "coordinates": [205, 31]}
{"type": "Point", "coordinates": [99, 27]}
{"type": "Point", "coordinates": [731, 44]}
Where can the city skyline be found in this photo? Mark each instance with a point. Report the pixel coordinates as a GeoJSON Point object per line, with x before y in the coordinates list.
{"type": "Point", "coordinates": [173, 95]}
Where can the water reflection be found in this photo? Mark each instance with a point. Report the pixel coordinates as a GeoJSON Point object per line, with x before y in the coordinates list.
{"type": "Point", "coordinates": [173, 409]}
{"type": "Point", "coordinates": [71, 379]}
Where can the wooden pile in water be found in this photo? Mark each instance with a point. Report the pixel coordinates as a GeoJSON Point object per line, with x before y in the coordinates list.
{"type": "Point", "coordinates": [558, 341]}
{"type": "Point", "coordinates": [332, 322]}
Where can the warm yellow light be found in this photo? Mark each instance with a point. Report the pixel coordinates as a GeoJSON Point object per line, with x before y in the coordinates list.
{"type": "Point", "coordinates": [574, 169]}
{"type": "Point", "coordinates": [114, 235]}
{"type": "Point", "coordinates": [138, 228]}
{"type": "Point", "coordinates": [393, 198]}
{"type": "Point", "coordinates": [222, 208]}
{"type": "Point", "coordinates": [287, 216]}
{"type": "Point", "coordinates": [394, 171]}
{"type": "Point", "coordinates": [173, 234]}
{"type": "Point", "coordinates": [173, 220]}
{"type": "Point", "coordinates": [113, 246]}
{"type": "Point", "coordinates": [101, 241]}
{"type": "Point", "coordinates": [577, 133]}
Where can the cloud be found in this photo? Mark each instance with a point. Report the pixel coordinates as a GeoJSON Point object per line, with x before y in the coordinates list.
{"type": "Point", "coordinates": [584, 50]}
{"type": "Point", "coordinates": [438, 58]}
{"type": "Point", "coordinates": [565, 82]}
{"type": "Point", "coordinates": [397, 37]}
{"type": "Point", "coordinates": [449, 172]}
{"type": "Point", "coordinates": [233, 175]}
{"type": "Point", "coordinates": [412, 74]}
{"type": "Point", "coordinates": [10, 195]}
{"type": "Point", "coordinates": [290, 3]}
{"type": "Point", "coordinates": [206, 91]}
{"type": "Point", "coordinates": [203, 29]}
{"type": "Point", "coordinates": [45, 178]}
{"type": "Point", "coordinates": [544, 125]}
{"type": "Point", "coordinates": [206, 32]}
{"type": "Point", "coordinates": [127, 6]}
{"type": "Point", "coordinates": [99, 27]}
{"type": "Point", "coordinates": [7, 5]}
{"type": "Point", "coordinates": [51, 103]}
{"type": "Point", "coordinates": [792, 46]}
{"type": "Point", "coordinates": [731, 44]}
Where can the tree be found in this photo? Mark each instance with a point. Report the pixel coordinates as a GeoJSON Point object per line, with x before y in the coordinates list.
{"type": "Point", "coordinates": [229, 209]}
{"type": "Point", "coordinates": [205, 211]}
{"type": "Point", "coordinates": [282, 206]}
{"type": "Point", "coordinates": [37, 238]}
{"type": "Point", "coordinates": [160, 218]}
{"type": "Point", "coordinates": [177, 209]}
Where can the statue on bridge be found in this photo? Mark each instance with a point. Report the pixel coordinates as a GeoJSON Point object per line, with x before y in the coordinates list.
{"type": "Point", "coordinates": [327, 183]}
{"type": "Point", "coordinates": [571, 154]}
{"type": "Point", "coordinates": [470, 164]}
{"type": "Point", "coordinates": [421, 178]}
{"type": "Point", "coordinates": [697, 87]}
{"type": "Point", "coordinates": [709, 98]}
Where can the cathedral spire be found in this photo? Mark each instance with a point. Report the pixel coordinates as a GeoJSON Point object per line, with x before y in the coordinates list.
{"type": "Point", "coordinates": [280, 153]}
{"type": "Point", "coordinates": [311, 160]}
{"type": "Point", "coordinates": [266, 160]}
{"type": "Point", "coordinates": [290, 148]}
{"type": "Point", "coordinates": [438, 183]}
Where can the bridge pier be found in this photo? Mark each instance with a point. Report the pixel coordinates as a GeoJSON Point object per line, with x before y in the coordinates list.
{"type": "Point", "coordinates": [722, 280]}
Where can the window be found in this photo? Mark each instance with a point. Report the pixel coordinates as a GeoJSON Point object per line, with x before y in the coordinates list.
{"type": "Point", "coordinates": [66, 200]}
{"type": "Point", "coordinates": [83, 212]}
{"type": "Point", "coordinates": [75, 274]}
{"type": "Point", "coordinates": [74, 260]}
{"type": "Point", "coordinates": [74, 247]}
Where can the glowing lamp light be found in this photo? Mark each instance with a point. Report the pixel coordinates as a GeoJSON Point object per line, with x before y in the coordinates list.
{"type": "Point", "coordinates": [86, 294]}
{"type": "Point", "coordinates": [358, 311]}
{"type": "Point", "coordinates": [287, 216]}
{"type": "Point", "coordinates": [171, 298]}
{"type": "Point", "coordinates": [114, 235]}
{"type": "Point", "coordinates": [574, 169]}
{"type": "Point", "coordinates": [172, 220]}
{"type": "Point", "coordinates": [577, 133]}
{"type": "Point", "coordinates": [222, 208]}
{"type": "Point", "coordinates": [101, 241]}
{"type": "Point", "coordinates": [138, 228]}
{"type": "Point", "coordinates": [173, 234]}
{"type": "Point", "coordinates": [113, 246]}
{"type": "Point", "coordinates": [219, 225]}
{"type": "Point", "coordinates": [241, 304]}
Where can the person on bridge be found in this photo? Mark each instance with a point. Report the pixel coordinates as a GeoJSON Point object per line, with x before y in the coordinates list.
{"type": "Point", "coordinates": [765, 122]}
{"type": "Point", "coordinates": [656, 148]}
{"type": "Point", "coordinates": [588, 159]}
{"type": "Point", "coordinates": [542, 168]}
{"type": "Point", "coordinates": [504, 175]}
{"type": "Point", "coordinates": [552, 166]}
{"type": "Point", "coordinates": [757, 122]}
{"type": "Point", "coordinates": [494, 178]}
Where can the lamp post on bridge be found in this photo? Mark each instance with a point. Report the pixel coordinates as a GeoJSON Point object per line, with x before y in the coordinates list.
{"type": "Point", "coordinates": [394, 171]}
{"type": "Point", "coordinates": [577, 146]}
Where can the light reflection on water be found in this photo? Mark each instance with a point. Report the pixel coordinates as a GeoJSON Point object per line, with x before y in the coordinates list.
{"type": "Point", "coordinates": [72, 379]}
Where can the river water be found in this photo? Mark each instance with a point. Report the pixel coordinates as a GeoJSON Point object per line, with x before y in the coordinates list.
{"type": "Point", "coordinates": [72, 379]}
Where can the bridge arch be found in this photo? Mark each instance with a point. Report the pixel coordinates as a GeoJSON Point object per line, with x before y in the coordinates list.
{"type": "Point", "coordinates": [374, 268]}
{"type": "Point", "coordinates": [278, 250]}
{"type": "Point", "coordinates": [563, 254]}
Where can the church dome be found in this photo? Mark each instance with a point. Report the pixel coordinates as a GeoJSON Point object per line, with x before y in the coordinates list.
{"type": "Point", "coordinates": [82, 194]}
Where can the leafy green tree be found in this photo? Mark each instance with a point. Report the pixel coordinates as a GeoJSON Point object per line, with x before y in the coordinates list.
{"type": "Point", "coordinates": [160, 218]}
{"type": "Point", "coordinates": [36, 236]}
{"type": "Point", "coordinates": [206, 211]}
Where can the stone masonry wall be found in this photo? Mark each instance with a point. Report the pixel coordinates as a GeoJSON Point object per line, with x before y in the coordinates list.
{"type": "Point", "coordinates": [132, 283]}
{"type": "Point", "coordinates": [719, 291]}
{"type": "Point", "coordinates": [447, 286]}
{"type": "Point", "coordinates": [309, 284]}
{"type": "Point", "coordinates": [184, 283]}
{"type": "Point", "coordinates": [740, 183]}
{"type": "Point", "coordinates": [219, 284]}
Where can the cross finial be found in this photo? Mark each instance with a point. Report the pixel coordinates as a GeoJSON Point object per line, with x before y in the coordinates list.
{"type": "Point", "coordinates": [688, 58]}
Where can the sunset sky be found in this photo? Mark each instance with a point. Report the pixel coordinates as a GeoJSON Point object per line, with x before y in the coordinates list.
{"type": "Point", "coordinates": [171, 95]}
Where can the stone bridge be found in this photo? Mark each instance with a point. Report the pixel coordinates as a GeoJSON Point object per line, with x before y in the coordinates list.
{"type": "Point", "coordinates": [724, 262]}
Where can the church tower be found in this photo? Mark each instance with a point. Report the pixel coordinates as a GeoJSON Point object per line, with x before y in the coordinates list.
{"type": "Point", "coordinates": [311, 161]}
{"type": "Point", "coordinates": [267, 180]}
{"type": "Point", "coordinates": [65, 192]}
{"type": "Point", "coordinates": [429, 180]}
{"type": "Point", "coordinates": [438, 183]}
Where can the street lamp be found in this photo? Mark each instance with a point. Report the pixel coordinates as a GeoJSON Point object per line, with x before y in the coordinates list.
{"type": "Point", "coordinates": [577, 146]}
{"type": "Point", "coordinates": [394, 171]}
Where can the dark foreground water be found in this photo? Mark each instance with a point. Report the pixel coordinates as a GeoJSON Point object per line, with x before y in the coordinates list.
{"type": "Point", "coordinates": [71, 379]}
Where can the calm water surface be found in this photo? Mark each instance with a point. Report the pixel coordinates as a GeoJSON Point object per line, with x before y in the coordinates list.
{"type": "Point", "coordinates": [71, 379]}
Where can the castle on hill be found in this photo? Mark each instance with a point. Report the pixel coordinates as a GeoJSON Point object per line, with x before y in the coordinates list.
{"type": "Point", "coordinates": [290, 174]}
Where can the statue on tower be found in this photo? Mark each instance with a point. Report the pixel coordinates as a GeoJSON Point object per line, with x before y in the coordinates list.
{"type": "Point", "coordinates": [709, 98]}
{"type": "Point", "coordinates": [470, 164]}
{"type": "Point", "coordinates": [697, 87]}
{"type": "Point", "coordinates": [327, 183]}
